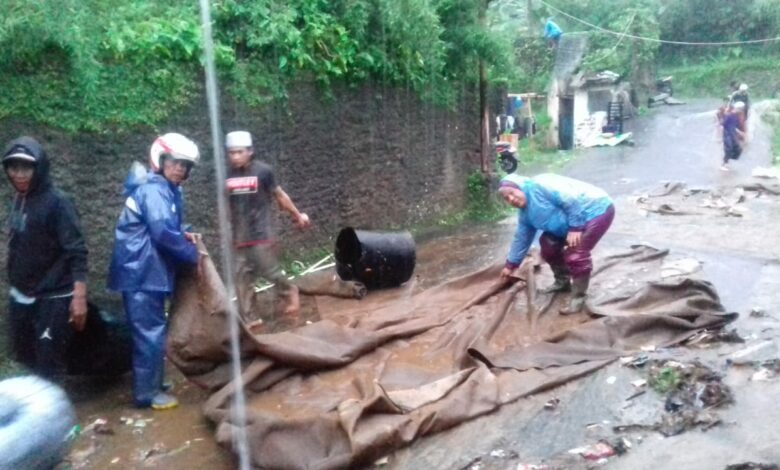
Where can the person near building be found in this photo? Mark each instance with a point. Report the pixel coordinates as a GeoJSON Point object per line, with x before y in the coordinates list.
{"type": "Point", "coordinates": [552, 32]}
{"type": "Point", "coordinates": [572, 216]}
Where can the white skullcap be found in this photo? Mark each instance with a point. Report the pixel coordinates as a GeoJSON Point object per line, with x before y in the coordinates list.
{"type": "Point", "coordinates": [238, 139]}
{"type": "Point", "coordinates": [743, 87]}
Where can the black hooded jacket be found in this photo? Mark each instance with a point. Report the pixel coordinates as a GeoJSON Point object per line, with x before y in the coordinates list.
{"type": "Point", "coordinates": [46, 248]}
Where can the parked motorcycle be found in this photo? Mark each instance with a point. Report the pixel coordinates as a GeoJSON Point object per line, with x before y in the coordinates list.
{"type": "Point", "coordinates": [506, 156]}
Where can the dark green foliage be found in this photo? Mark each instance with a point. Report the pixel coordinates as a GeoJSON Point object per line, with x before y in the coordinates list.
{"type": "Point", "coordinates": [483, 204]}
{"type": "Point", "coordinates": [103, 64]}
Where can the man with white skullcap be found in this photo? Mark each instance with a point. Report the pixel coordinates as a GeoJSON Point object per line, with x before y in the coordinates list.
{"type": "Point", "coordinates": [252, 187]}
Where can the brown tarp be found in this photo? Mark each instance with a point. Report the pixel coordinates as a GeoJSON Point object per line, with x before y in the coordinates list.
{"type": "Point", "coordinates": [372, 375]}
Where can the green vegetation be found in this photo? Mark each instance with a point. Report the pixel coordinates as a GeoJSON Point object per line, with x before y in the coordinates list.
{"type": "Point", "coordinates": [482, 204]}
{"type": "Point", "coordinates": [99, 65]}
{"type": "Point", "coordinates": [711, 78]}
{"type": "Point", "coordinates": [772, 117]}
{"type": "Point", "coordinates": [665, 380]}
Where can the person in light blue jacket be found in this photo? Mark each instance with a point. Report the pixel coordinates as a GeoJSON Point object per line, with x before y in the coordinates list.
{"type": "Point", "coordinates": [572, 215]}
{"type": "Point", "coordinates": [149, 246]}
{"type": "Point", "coordinates": [552, 32]}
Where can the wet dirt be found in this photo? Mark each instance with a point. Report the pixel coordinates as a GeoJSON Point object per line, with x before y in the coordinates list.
{"type": "Point", "coordinates": [673, 143]}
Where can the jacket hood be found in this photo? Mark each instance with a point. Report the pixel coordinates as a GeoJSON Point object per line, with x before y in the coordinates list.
{"type": "Point", "coordinates": [31, 147]}
{"type": "Point", "coordinates": [139, 175]}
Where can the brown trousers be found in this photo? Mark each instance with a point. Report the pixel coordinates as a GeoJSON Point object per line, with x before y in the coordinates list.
{"type": "Point", "coordinates": [253, 263]}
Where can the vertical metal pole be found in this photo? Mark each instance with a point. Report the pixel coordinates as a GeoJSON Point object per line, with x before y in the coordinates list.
{"type": "Point", "coordinates": [238, 409]}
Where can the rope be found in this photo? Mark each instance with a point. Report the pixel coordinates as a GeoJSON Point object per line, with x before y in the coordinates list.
{"type": "Point", "coordinates": [614, 48]}
{"type": "Point", "coordinates": [660, 41]}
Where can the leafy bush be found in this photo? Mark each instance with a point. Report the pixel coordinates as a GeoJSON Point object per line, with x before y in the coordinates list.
{"type": "Point", "coordinates": [101, 64]}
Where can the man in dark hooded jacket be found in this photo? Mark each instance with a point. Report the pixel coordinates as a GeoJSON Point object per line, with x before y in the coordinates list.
{"type": "Point", "coordinates": [47, 262]}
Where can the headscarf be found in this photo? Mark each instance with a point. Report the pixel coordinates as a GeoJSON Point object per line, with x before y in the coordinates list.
{"type": "Point", "coordinates": [512, 181]}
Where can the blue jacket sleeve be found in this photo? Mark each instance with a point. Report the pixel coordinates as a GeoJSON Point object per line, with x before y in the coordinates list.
{"type": "Point", "coordinates": [524, 236]}
{"type": "Point", "coordinates": [165, 231]}
{"type": "Point", "coordinates": [575, 216]}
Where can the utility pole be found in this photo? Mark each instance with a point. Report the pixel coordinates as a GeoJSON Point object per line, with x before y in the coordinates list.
{"type": "Point", "coordinates": [484, 137]}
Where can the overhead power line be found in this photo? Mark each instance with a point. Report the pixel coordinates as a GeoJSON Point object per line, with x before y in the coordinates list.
{"type": "Point", "coordinates": [661, 41]}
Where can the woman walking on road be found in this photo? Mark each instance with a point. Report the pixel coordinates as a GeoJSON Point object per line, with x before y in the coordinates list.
{"type": "Point", "coordinates": [733, 133]}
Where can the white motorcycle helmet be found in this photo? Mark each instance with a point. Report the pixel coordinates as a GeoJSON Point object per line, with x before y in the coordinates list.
{"type": "Point", "coordinates": [175, 145]}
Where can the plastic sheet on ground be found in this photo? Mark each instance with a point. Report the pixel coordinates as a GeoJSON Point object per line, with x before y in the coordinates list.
{"type": "Point", "coordinates": [373, 375]}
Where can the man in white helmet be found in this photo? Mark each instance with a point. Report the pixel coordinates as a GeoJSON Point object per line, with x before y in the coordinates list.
{"type": "Point", "coordinates": [149, 246]}
{"type": "Point", "coordinates": [252, 187]}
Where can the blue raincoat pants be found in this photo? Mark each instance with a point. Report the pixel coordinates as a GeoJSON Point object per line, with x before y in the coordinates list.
{"type": "Point", "coordinates": [148, 326]}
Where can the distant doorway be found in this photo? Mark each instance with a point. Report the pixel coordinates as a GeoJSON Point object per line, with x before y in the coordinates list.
{"type": "Point", "coordinates": [566, 123]}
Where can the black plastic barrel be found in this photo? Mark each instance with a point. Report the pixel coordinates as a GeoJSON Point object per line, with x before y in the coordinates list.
{"type": "Point", "coordinates": [377, 259]}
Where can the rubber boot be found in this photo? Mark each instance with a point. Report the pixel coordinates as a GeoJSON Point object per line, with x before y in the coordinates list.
{"type": "Point", "coordinates": [561, 284]}
{"type": "Point", "coordinates": [163, 401]}
{"type": "Point", "coordinates": [579, 293]}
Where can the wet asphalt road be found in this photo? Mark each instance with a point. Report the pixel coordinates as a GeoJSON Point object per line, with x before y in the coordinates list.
{"type": "Point", "coordinates": [671, 144]}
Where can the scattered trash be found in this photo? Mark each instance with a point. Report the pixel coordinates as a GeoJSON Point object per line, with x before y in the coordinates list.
{"type": "Point", "coordinates": [708, 337]}
{"type": "Point", "coordinates": [383, 461]}
{"type": "Point", "coordinates": [752, 466]}
{"type": "Point", "coordinates": [597, 451]}
{"type": "Point", "coordinates": [637, 394]}
{"type": "Point", "coordinates": [635, 361]}
{"type": "Point", "coordinates": [157, 449]}
{"type": "Point", "coordinates": [531, 466]}
{"type": "Point", "coordinates": [759, 352]}
{"type": "Point", "coordinates": [763, 375]}
{"type": "Point", "coordinates": [639, 383]}
{"type": "Point", "coordinates": [667, 188]}
{"type": "Point", "coordinates": [680, 267]}
{"type": "Point", "coordinates": [611, 380]}
{"type": "Point", "coordinates": [552, 404]}
{"type": "Point", "coordinates": [115, 460]}
{"type": "Point", "coordinates": [757, 312]}
{"type": "Point", "coordinates": [648, 348]}
{"type": "Point", "coordinates": [99, 426]}
{"type": "Point", "coordinates": [691, 391]}
{"type": "Point", "coordinates": [498, 454]}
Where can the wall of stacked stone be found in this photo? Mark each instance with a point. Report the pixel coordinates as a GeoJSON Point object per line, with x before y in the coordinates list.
{"type": "Point", "coordinates": [370, 157]}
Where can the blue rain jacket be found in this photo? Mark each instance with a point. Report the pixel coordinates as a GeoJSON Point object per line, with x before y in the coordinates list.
{"type": "Point", "coordinates": [555, 204]}
{"type": "Point", "coordinates": [149, 241]}
{"type": "Point", "coordinates": [552, 30]}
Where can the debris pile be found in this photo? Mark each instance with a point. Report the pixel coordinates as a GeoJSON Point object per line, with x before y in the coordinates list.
{"type": "Point", "coordinates": [691, 392]}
